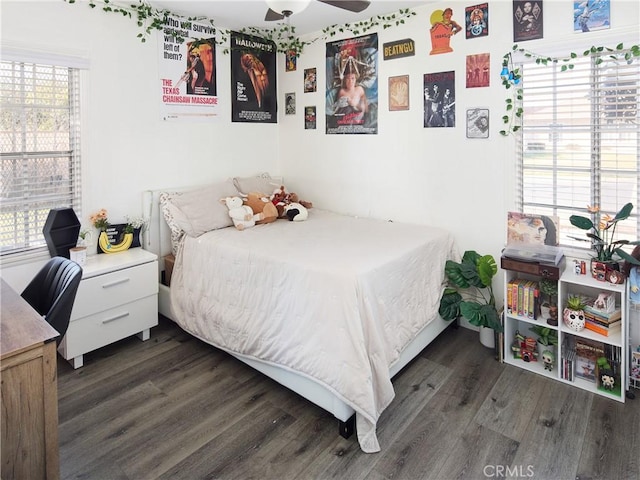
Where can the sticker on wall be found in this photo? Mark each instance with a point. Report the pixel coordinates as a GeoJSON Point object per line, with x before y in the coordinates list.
{"type": "Point", "coordinates": [478, 123]}
{"type": "Point", "coordinates": [477, 21]}
{"type": "Point", "coordinates": [399, 93]}
{"type": "Point", "coordinates": [310, 118]}
{"type": "Point", "coordinates": [290, 103]}
{"type": "Point", "coordinates": [310, 80]}
{"type": "Point", "coordinates": [478, 70]}
{"type": "Point", "coordinates": [591, 15]}
{"type": "Point", "coordinates": [527, 20]}
{"type": "Point", "coordinates": [398, 49]}
{"type": "Point", "coordinates": [443, 27]}
{"type": "Point", "coordinates": [439, 99]}
{"type": "Point", "coordinates": [352, 85]}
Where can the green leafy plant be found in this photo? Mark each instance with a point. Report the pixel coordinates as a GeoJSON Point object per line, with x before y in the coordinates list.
{"type": "Point", "coordinates": [550, 289]}
{"type": "Point", "coordinates": [601, 230]}
{"type": "Point", "coordinates": [546, 336]}
{"type": "Point", "coordinates": [575, 302]}
{"type": "Point", "coordinates": [473, 276]}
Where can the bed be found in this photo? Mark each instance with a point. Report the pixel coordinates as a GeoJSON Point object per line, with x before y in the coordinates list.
{"type": "Point", "coordinates": [331, 308]}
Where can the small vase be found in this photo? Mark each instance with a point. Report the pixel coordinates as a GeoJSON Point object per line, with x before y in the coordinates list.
{"type": "Point", "coordinates": [601, 270]}
{"type": "Point", "coordinates": [78, 254]}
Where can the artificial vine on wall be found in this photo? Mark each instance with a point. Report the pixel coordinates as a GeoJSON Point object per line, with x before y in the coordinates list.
{"type": "Point", "coordinates": [511, 76]}
{"type": "Point", "coordinates": [150, 19]}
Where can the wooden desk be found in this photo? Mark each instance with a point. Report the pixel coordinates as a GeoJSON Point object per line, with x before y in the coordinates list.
{"type": "Point", "coordinates": [29, 400]}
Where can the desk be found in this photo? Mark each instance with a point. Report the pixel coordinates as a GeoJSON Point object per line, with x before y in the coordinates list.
{"type": "Point", "coordinates": [29, 400]}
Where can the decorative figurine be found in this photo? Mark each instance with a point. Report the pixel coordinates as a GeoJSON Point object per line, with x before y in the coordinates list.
{"type": "Point", "coordinates": [548, 358]}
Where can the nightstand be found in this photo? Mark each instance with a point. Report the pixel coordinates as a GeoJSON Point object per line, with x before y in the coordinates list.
{"type": "Point", "coordinates": [117, 298]}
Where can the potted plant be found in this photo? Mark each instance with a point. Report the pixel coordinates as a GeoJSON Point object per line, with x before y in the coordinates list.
{"type": "Point", "coordinates": [472, 277]}
{"type": "Point", "coordinates": [547, 338]}
{"type": "Point", "coordinates": [549, 304]}
{"type": "Point", "coordinates": [601, 230]}
{"type": "Point", "coordinates": [573, 313]}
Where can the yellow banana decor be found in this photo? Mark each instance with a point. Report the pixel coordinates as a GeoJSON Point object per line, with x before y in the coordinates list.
{"type": "Point", "coordinates": [107, 247]}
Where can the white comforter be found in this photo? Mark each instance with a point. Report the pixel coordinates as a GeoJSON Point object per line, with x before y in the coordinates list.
{"type": "Point", "coordinates": [335, 298]}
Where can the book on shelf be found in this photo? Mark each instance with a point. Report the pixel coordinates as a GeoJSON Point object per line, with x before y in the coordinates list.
{"type": "Point", "coordinates": [601, 329]}
{"type": "Point", "coordinates": [607, 317]}
{"type": "Point", "coordinates": [587, 354]}
{"type": "Point", "coordinates": [523, 298]}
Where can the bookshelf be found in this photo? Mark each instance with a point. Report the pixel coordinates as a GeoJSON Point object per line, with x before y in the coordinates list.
{"type": "Point", "coordinates": [581, 357]}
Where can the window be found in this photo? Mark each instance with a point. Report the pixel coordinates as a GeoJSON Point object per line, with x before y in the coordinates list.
{"type": "Point", "coordinates": [580, 142]}
{"type": "Point", "coordinates": [39, 150]}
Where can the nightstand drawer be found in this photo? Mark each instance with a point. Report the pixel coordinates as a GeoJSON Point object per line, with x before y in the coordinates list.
{"type": "Point", "coordinates": [95, 331]}
{"type": "Point", "coordinates": [103, 292]}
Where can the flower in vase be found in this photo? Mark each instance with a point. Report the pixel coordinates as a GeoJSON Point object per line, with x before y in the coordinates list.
{"type": "Point", "coordinates": [99, 220]}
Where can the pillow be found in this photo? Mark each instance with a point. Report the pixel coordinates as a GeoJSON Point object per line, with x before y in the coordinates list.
{"type": "Point", "coordinates": [176, 232]}
{"type": "Point", "coordinates": [197, 211]}
{"type": "Point", "coordinates": [262, 183]}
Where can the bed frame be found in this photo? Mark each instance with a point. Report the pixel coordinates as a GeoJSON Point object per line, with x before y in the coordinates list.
{"type": "Point", "coordinates": [157, 239]}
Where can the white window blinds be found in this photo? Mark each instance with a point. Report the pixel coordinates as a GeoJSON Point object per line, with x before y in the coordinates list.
{"type": "Point", "coordinates": [580, 141]}
{"type": "Point", "coordinates": [39, 149]}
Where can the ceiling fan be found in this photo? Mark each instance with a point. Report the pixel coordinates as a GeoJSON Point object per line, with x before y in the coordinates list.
{"type": "Point", "coordinates": [280, 9]}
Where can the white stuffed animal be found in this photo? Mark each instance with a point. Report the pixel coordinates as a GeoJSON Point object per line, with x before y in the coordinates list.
{"type": "Point", "coordinates": [296, 212]}
{"type": "Point", "coordinates": [242, 215]}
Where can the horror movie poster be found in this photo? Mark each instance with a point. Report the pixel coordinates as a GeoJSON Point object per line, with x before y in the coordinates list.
{"type": "Point", "coordinates": [253, 79]}
{"type": "Point", "coordinates": [352, 85]}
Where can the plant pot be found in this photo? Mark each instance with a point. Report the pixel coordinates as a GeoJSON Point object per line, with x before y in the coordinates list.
{"type": "Point", "coordinates": [601, 270]}
{"type": "Point", "coordinates": [574, 319]}
{"type": "Point", "coordinates": [487, 337]}
{"type": "Point", "coordinates": [78, 255]}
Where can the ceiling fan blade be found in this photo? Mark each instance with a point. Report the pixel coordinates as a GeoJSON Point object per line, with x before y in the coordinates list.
{"type": "Point", "coordinates": [272, 16]}
{"type": "Point", "coordinates": [351, 5]}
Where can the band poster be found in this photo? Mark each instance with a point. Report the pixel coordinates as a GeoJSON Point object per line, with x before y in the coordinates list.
{"type": "Point", "coordinates": [440, 99]}
{"type": "Point", "coordinates": [352, 86]}
{"type": "Point", "coordinates": [187, 69]}
{"type": "Point", "coordinates": [253, 79]}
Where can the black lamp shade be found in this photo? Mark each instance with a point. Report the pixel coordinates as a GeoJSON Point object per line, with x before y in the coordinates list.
{"type": "Point", "coordinates": [61, 231]}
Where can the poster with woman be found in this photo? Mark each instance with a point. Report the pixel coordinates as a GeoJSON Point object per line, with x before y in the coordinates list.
{"type": "Point", "coordinates": [253, 79]}
{"type": "Point", "coordinates": [527, 20]}
{"type": "Point", "coordinates": [352, 85]}
{"type": "Point", "coordinates": [527, 228]}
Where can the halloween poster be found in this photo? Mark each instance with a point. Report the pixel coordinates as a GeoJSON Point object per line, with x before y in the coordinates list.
{"type": "Point", "coordinates": [187, 68]}
{"type": "Point", "coordinates": [591, 15]}
{"type": "Point", "coordinates": [352, 86]}
{"type": "Point", "coordinates": [440, 99]}
{"type": "Point", "coordinates": [527, 20]}
{"type": "Point", "coordinates": [476, 20]}
{"type": "Point", "coordinates": [253, 79]}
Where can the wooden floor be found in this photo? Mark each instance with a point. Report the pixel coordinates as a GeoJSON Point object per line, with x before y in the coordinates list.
{"type": "Point", "coordinates": [175, 408]}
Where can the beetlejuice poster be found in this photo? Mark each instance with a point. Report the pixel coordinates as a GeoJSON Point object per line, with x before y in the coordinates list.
{"type": "Point", "coordinates": [352, 86]}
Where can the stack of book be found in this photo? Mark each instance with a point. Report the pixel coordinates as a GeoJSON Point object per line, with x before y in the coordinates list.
{"type": "Point", "coordinates": [523, 298]}
{"type": "Point", "coordinates": [602, 322]}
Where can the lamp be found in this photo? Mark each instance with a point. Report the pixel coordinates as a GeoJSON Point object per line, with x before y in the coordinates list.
{"type": "Point", "coordinates": [287, 7]}
{"type": "Point", "coordinates": [508, 73]}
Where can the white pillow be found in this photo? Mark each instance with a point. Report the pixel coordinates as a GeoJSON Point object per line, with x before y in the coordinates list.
{"type": "Point", "coordinates": [263, 183]}
{"type": "Point", "coordinates": [198, 211]}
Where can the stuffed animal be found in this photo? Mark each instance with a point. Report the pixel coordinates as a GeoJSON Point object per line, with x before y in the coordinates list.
{"type": "Point", "coordinates": [261, 205]}
{"type": "Point", "coordinates": [281, 198]}
{"type": "Point", "coordinates": [296, 212]}
{"type": "Point", "coordinates": [242, 215]}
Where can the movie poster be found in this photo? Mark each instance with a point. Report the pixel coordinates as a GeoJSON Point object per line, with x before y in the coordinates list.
{"type": "Point", "coordinates": [478, 70]}
{"type": "Point", "coordinates": [527, 20]}
{"type": "Point", "coordinates": [310, 117]}
{"type": "Point", "coordinates": [591, 15]}
{"type": "Point", "coordinates": [477, 21]}
{"type": "Point", "coordinates": [187, 71]}
{"type": "Point", "coordinates": [352, 86]}
{"type": "Point", "coordinates": [253, 79]}
{"type": "Point", "coordinates": [440, 99]}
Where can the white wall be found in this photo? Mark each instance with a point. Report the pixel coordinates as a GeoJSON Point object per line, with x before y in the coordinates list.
{"type": "Point", "coordinates": [406, 172]}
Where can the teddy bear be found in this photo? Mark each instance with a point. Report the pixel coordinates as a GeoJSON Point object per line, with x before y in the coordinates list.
{"type": "Point", "coordinates": [261, 206]}
{"type": "Point", "coordinates": [296, 212]}
{"type": "Point", "coordinates": [242, 215]}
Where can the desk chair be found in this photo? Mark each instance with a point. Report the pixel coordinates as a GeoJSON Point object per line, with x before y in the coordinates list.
{"type": "Point", "coordinates": [52, 292]}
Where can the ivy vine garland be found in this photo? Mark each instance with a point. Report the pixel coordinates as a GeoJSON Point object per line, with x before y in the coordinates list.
{"type": "Point", "coordinates": [150, 19]}
{"type": "Point", "coordinates": [510, 81]}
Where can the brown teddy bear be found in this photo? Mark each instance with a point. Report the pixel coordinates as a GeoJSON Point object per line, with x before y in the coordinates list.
{"type": "Point", "coordinates": [281, 199]}
{"type": "Point", "coordinates": [262, 206]}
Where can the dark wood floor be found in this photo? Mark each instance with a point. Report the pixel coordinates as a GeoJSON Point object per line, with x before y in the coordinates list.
{"type": "Point", "coordinates": [175, 408]}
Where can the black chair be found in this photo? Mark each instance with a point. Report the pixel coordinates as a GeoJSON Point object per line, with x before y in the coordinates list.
{"type": "Point", "coordinates": [52, 292]}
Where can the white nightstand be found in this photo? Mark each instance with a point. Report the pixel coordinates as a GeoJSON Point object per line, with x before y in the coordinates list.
{"type": "Point", "coordinates": [117, 298]}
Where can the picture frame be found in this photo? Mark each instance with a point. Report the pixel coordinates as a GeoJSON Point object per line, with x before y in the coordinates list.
{"type": "Point", "coordinates": [290, 103]}
{"type": "Point", "coordinates": [398, 93]}
{"type": "Point", "coordinates": [478, 123]}
{"type": "Point", "coordinates": [310, 80]}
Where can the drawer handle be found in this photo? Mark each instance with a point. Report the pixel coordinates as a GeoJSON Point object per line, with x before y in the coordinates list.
{"type": "Point", "coordinates": [117, 317]}
{"type": "Point", "coordinates": [117, 282]}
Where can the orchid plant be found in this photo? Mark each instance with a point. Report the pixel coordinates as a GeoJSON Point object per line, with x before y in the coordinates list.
{"type": "Point", "coordinates": [601, 232]}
